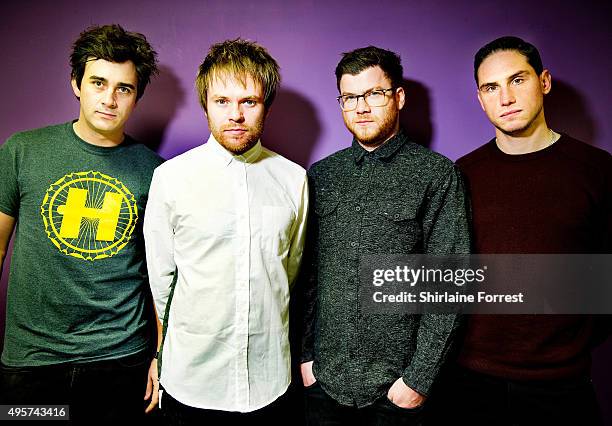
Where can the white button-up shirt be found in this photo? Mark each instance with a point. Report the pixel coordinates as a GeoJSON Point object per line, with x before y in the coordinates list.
{"type": "Point", "coordinates": [230, 230]}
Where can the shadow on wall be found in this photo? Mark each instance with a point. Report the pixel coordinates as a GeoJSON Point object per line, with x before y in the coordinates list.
{"type": "Point", "coordinates": [567, 112]}
{"type": "Point", "coordinates": [415, 117]}
{"type": "Point", "coordinates": [156, 109]}
{"type": "Point", "coordinates": [293, 127]}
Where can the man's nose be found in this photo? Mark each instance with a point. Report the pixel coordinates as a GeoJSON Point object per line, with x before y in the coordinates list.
{"type": "Point", "coordinates": [506, 96]}
{"type": "Point", "coordinates": [109, 99]}
{"type": "Point", "coordinates": [235, 112]}
{"type": "Point", "coordinates": [363, 105]}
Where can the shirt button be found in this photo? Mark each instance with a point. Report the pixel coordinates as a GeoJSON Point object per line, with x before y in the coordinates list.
{"type": "Point", "coordinates": [357, 208]}
{"type": "Point", "coordinates": [396, 216]}
{"type": "Point", "coordinates": [353, 244]}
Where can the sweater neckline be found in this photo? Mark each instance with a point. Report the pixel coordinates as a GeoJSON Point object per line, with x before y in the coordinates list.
{"type": "Point", "coordinates": [497, 152]}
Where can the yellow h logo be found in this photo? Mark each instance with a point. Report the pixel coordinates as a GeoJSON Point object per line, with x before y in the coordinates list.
{"type": "Point", "coordinates": [74, 211]}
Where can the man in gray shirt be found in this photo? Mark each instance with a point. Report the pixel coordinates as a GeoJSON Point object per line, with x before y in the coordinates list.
{"type": "Point", "coordinates": [383, 195]}
{"type": "Point", "coordinates": [78, 314]}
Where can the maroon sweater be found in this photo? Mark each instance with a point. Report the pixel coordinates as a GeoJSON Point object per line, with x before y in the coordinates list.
{"type": "Point", "coordinates": [557, 200]}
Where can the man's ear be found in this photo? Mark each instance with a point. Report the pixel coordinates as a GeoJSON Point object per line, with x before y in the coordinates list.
{"type": "Point", "coordinates": [400, 97]}
{"type": "Point", "coordinates": [75, 88]}
{"type": "Point", "coordinates": [546, 81]}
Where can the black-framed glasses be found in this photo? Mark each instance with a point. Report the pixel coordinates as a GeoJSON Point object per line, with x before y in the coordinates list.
{"type": "Point", "coordinates": [374, 98]}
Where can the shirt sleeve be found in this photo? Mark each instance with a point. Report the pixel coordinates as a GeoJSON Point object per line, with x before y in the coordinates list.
{"type": "Point", "coordinates": [603, 323]}
{"type": "Point", "coordinates": [307, 287]}
{"type": "Point", "coordinates": [9, 186]}
{"type": "Point", "coordinates": [159, 242]}
{"type": "Point", "coordinates": [446, 231]}
{"type": "Point", "coordinates": [445, 220]}
{"type": "Point", "coordinates": [298, 235]}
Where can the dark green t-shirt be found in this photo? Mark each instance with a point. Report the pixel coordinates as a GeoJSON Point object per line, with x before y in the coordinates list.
{"type": "Point", "coordinates": [78, 279]}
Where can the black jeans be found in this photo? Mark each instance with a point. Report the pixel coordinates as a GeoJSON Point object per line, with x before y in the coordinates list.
{"type": "Point", "coordinates": [102, 392]}
{"type": "Point", "coordinates": [467, 397]}
{"type": "Point", "coordinates": [323, 410]}
{"type": "Point", "coordinates": [178, 414]}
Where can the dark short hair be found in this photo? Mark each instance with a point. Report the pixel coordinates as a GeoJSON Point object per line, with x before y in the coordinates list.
{"type": "Point", "coordinates": [358, 60]}
{"type": "Point", "coordinates": [528, 50]}
{"type": "Point", "coordinates": [239, 59]}
{"type": "Point", "coordinates": [112, 43]}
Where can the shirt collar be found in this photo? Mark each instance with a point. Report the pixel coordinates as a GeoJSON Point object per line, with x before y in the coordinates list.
{"type": "Point", "coordinates": [384, 152]}
{"type": "Point", "coordinates": [226, 157]}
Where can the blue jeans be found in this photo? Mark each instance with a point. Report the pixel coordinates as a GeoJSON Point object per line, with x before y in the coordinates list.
{"type": "Point", "coordinates": [102, 392]}
{"type": "Point", "coordinates": [323, 410]}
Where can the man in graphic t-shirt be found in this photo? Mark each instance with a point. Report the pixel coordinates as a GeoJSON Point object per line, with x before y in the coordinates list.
{"type": "Point", "coordinates": [77, 306]}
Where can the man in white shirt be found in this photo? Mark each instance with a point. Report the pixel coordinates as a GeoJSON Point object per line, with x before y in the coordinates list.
{"type": "Point", "coordinates": [224, 236]}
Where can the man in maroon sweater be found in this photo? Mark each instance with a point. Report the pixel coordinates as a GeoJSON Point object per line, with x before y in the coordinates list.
{"type": "Point", "coordinates": [533, 191]}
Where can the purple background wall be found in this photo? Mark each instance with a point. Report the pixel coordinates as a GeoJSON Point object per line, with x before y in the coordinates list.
{"type": "Point", "coordinates": [436, 39]}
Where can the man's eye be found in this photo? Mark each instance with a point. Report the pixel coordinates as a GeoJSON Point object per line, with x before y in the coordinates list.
{"type": "Point", "coordinates": [250, 102]}
{"type": "Point", "coordinates": [489, 89]}
{"type": "Point", "coordinates": [349, 98]}
{"type": "Point", "coordinates": [517, 80]}
{"type": "Point", "coordinates": [221, 101]}
{"type": "Point", "coordinates": [376, 94]}
{"type": "Point", "coordinates": [125, 90]}
{"type": "Point", "coordinates": [98, 83]}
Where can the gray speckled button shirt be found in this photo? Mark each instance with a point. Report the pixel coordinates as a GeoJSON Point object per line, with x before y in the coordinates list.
{"type": "Point", "coordinates": [399, 199]}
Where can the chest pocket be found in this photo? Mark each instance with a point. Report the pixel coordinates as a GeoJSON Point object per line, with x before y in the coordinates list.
{"type": "Point", "coordinates": [397, 229]}
{"type": "Point", "coordinates": [276, 229]}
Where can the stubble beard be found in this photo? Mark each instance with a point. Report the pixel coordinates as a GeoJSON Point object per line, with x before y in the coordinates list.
{"type": "Point", "coordinates": [385, 129]}
{"type": "Point", "coordinates": [234, 145]}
